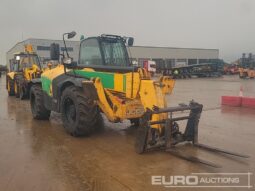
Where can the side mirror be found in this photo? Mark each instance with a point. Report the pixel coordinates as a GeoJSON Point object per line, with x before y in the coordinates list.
{"type": "Point", "coordinates": [130, 41]}
{"type": "Point", "coordinates": [68, 63]}
{"type": "Point", "coordinates": [54, 51]}
{"type": "Point", "coordinates": [71, 34]}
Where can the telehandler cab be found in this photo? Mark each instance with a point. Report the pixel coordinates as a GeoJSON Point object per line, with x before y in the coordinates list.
{"type": "Point", "coordinates": [103, 80]}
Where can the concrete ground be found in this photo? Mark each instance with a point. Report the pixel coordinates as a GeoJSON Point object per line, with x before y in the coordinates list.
{"type": "Point", "coordinates": [41, 156]}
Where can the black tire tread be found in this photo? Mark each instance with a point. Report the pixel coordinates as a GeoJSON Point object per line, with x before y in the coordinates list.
{"type": "Point", "coordinates": [89, 118]}
{"type": "Point", "coordinates": [41, 112]}
{"type": "Point", "coordinates": [17, 84]}
{"type": "Point", "coordinates": [11, 92]}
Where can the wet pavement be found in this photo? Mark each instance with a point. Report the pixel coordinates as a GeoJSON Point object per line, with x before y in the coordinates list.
{"type": "Point", "coordinates": [41, 156]}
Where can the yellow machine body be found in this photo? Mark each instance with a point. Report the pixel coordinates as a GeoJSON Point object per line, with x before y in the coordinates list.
{"type": "Point", "coordinates": [246, 73]}
{"type": "Point", "coordinates": [121, 95]}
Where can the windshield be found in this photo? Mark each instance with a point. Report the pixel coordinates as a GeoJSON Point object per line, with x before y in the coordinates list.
{"type": "Point", "coordinates": [27, 61]}
{"type": "Point", "coordinates": [114, 53]}
{"type": "Point", "coordinates": [14, 67]}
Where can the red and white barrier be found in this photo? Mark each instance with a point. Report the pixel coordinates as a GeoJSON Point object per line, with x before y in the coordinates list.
{"type": "Point", "coordinates": [238, 101]}
{"type": "Point", "coordinates": [248, 102]}
{"type": "Point", "coordinates": [234, 101]}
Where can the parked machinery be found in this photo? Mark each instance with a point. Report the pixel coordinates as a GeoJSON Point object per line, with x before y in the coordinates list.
{"type": "Point", "coordinates": [208, 70]}
{"type": "Point", "coordinates": [24, 67]}
{"type": "Point", "coordinates": [211, 68]}
{"type": "Point", "coordinates": [3, 69]}
{"type": "Point", "coordinates": [150, 66]}
{"type": "Point", "coordinates": [231, 69]}
{"type": "Point", "coordinates": [104, 80]}
{"type": "Point", "coordinates": [247, 66]}
{"type": "Point", "coordinates": [199, 70]}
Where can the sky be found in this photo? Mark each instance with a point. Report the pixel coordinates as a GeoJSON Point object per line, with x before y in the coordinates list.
{"type": "Point", "coordinates": [227, 25]}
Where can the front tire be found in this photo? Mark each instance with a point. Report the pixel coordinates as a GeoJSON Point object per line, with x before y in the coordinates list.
{"type": "Point", "coordinates": [16, 88]}
{"type": "Point", "coordinates": [80, 114]}
{"type": "Point", "coordinates": [38, 109]}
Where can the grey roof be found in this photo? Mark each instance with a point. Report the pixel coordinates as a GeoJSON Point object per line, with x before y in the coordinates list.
{"type": "Point", "coordinates": [165, 47]}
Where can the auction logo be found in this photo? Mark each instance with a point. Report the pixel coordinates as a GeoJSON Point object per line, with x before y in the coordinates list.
{"type": "Point", "coordinates": [205, 180]}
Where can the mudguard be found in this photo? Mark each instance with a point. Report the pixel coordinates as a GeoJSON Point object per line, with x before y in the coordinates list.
{"type": "Point", "coordinates": [11, 75]}
{"type": "Point", "coordinates": [58, 86]}
{"type": "Point", "coordinates": [63, 81]}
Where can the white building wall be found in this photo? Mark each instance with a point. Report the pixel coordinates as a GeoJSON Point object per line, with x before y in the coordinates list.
{"type": "Point", "coordinates": [173, 53]}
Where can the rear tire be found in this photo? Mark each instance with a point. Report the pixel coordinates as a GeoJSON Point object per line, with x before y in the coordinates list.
{"type": "Point", "coordinates": [38, 109]}
{"type": "Point", "coordinates": [80, 115]}
{"type": "Point", "coordinates": [10, 87]}
{"type": "Point", "coordinates": [22, 94]}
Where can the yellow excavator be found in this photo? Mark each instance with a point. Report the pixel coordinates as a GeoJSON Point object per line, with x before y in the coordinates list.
{"type": "Point", "coordinates": [24, 67]}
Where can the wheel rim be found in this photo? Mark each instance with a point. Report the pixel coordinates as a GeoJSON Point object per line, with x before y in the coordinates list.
{"type": "Point", "coordinates": [69, 110]}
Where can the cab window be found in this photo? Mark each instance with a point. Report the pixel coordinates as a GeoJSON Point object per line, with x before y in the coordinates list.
{"type": "Point", "coordinates": [90, 53]}
{"type": "Point", "coordinates": [25, 62]}
{"type": "Point", "coordinates": [114, 53]}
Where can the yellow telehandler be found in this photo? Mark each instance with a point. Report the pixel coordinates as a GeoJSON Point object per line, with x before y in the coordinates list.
{"type": "Point", "coordinates": [105, 81]}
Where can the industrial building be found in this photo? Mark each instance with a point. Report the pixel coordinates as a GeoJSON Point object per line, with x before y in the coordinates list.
{"type": "Point", "coordinates": [174, 56]}
{"type": "Point", "coordinates": [164, 56]}
{"type": "Point", "coordinates": [42, 48]}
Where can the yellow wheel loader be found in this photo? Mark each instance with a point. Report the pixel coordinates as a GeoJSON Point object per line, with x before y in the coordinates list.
{"type": "Point", "coordinates": [104, 81]}
{"type": "Point", "coordinates": [24, 67]}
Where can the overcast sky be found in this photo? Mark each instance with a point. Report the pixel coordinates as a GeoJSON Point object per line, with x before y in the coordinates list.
{"type": "Point", "coordinates": [227, 25]}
